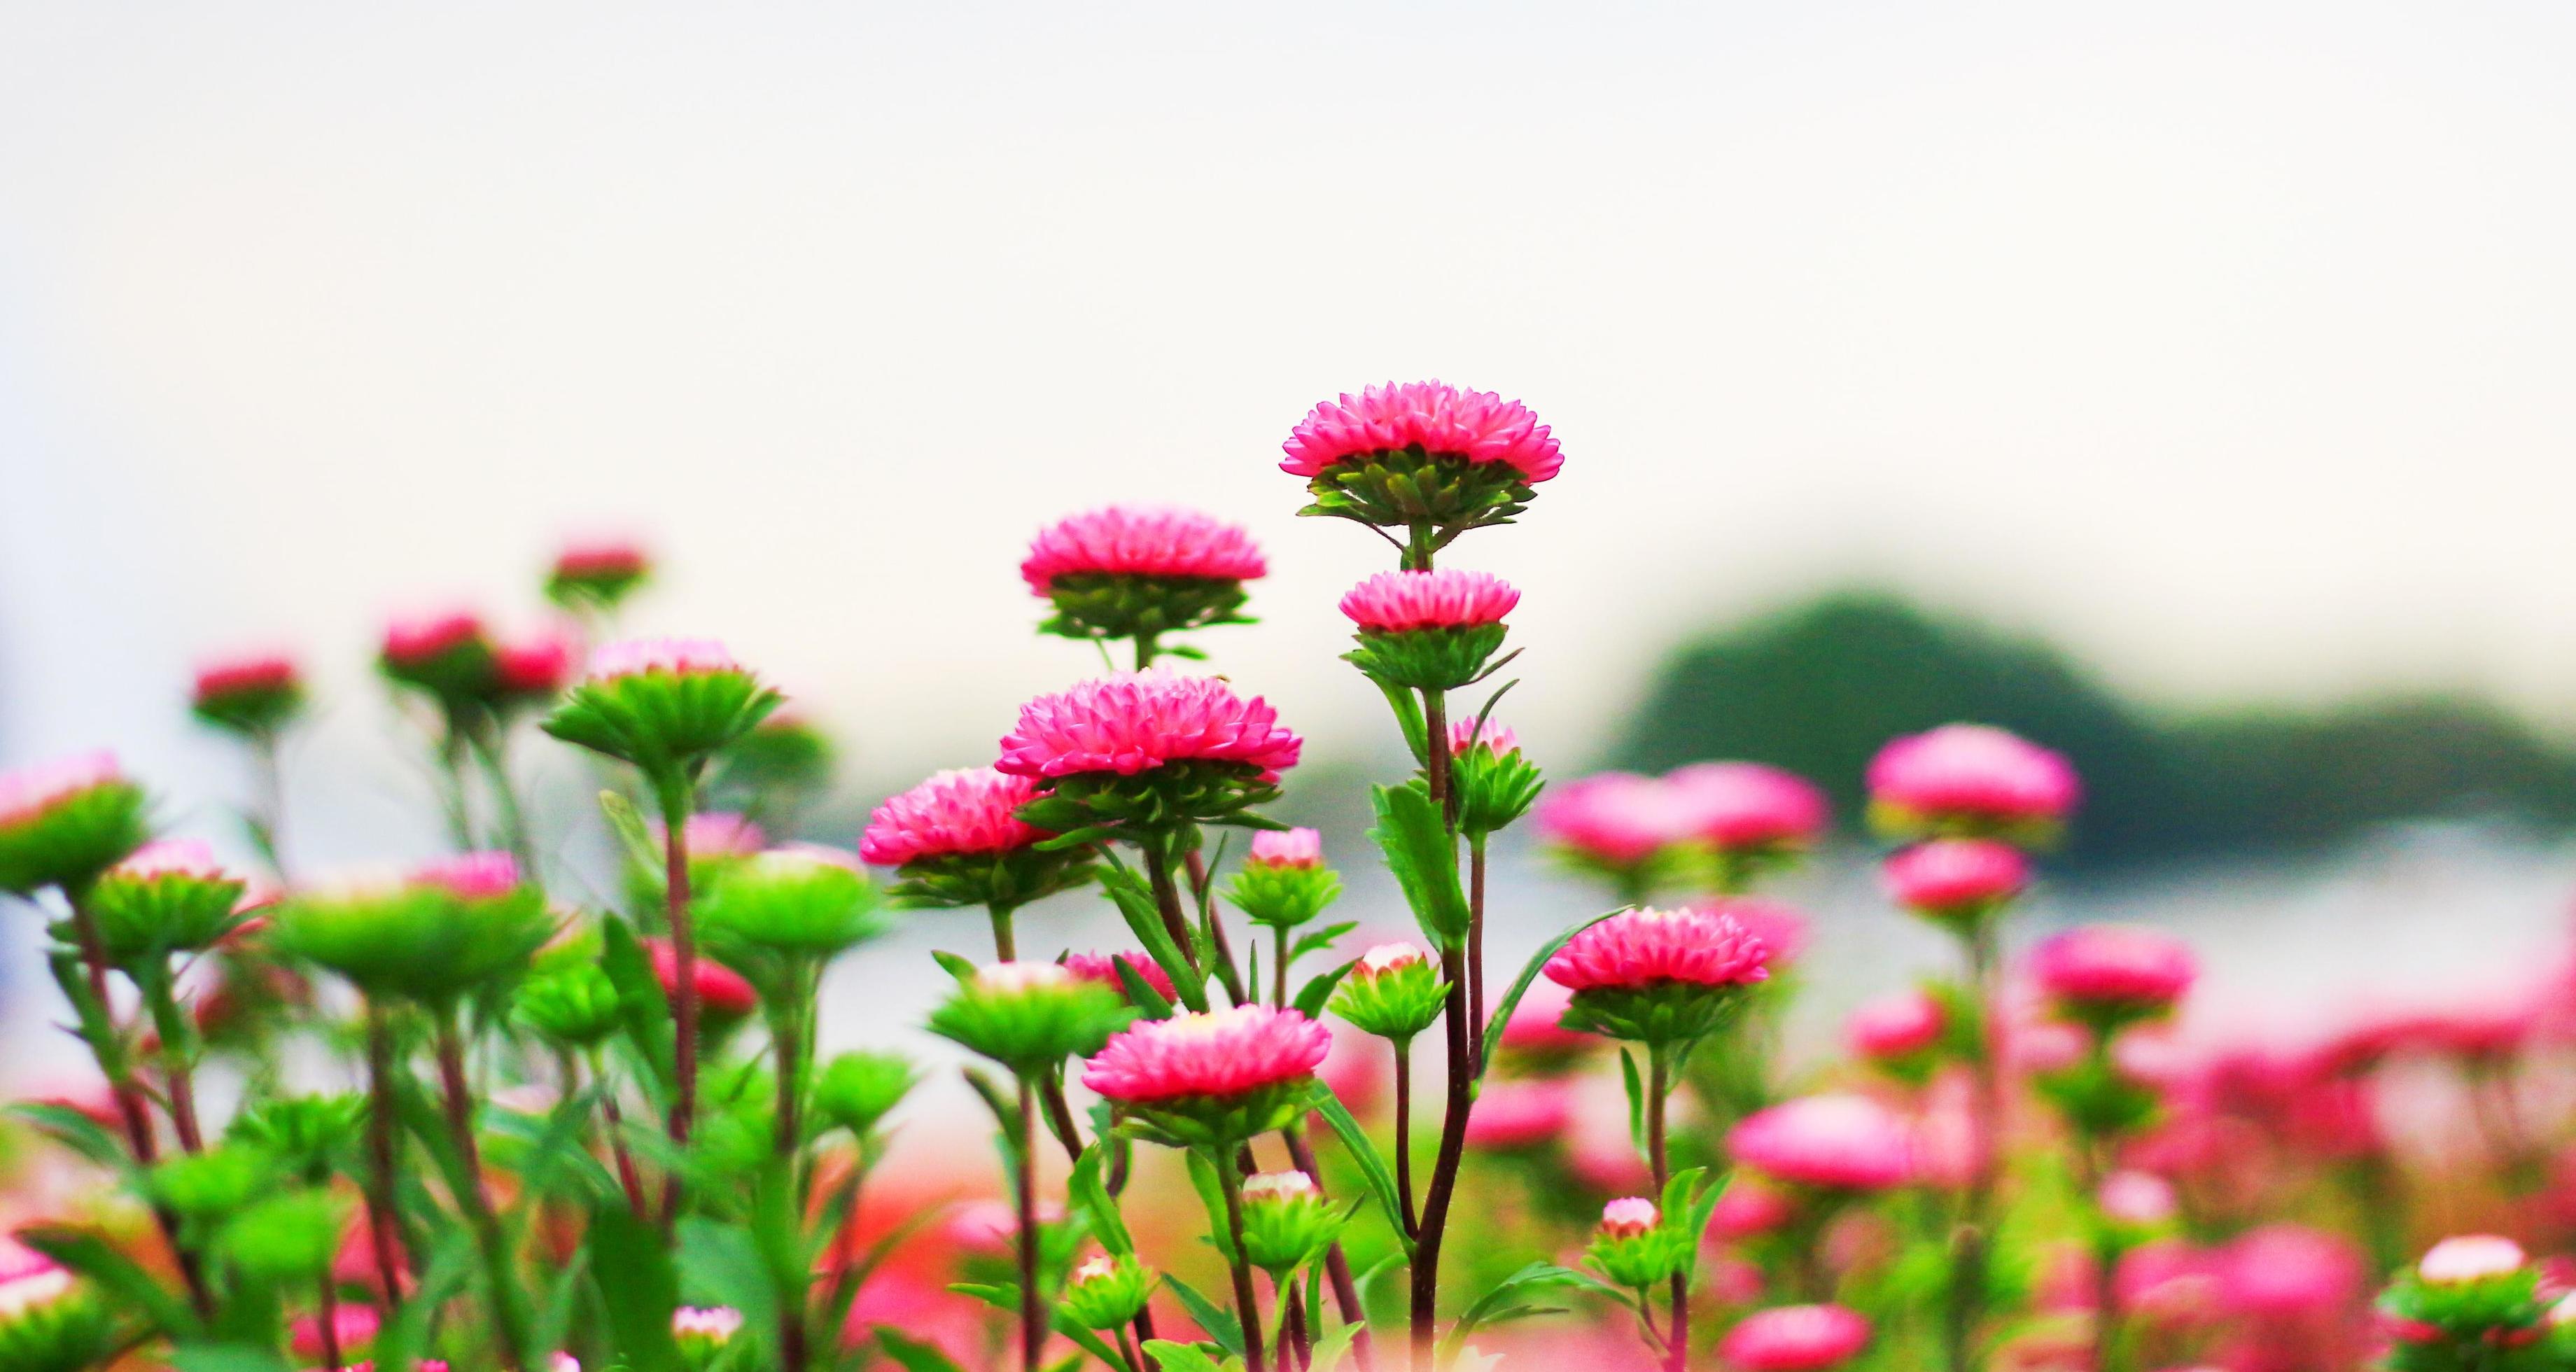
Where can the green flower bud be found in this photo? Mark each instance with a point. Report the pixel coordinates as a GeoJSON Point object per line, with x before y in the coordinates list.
{"type": "Point", "coordinates": [288, 1237]}
{"type": "Point", "coordinates": [1287, 1222]}
{"type": "Point", "coordinates": [856, 1090]}
{"type": "Point", "coordinates": [206, 1189]}
{"type": "Point", "coordinates": [303, 1133]}
{"type": "Point", "coordinates": [708, 1338]}
{"type": "Point", "coordinates": [169, 897]}
{"type": "Point", "coordinates": [51, 1323]}
{"type": "Point", "coordinates": [460, 926]}
{"type": "Point", "coordinates": [1029, 1016]}
{"type": "Point", "coordinates": [793, 902]}
{"type": "Point", "coordinates": [1284, 883]}
{"type": "Point", "coordinates": [575, 1007]}
{"type": "Point", "coordinates": [1662, 1012]}
{"type": "Point", "coordinates": [2468, 1296]}
{"type": "Point", "coordinates": [1393, 991]}
{"type": "Point", "coordinates": [63, 823]}
{"type": "Point", "coordinates": [1106, 1292]}
{"type": "Point", "coordinates": [1633, 1247]}
{"type": "Point", "coordinates": [1496, 785]}
{"type": "Point", "coordinates": [662, 704]}
{"type": "Point", "coordinates": [1401, 487]}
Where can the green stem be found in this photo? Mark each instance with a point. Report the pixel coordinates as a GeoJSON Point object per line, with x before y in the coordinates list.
{"type": "Point", "coordinates": [677, 801]}
{"type": "Point", "coordinates": [178, 1051]}
{"type": "Point", "coordinates": [1033, 1327]}
{"type": "Point", "coordinates": [1005, 947]}
{"type": "Point", "coordinates": [1659, 1085]}
{"type": "Point", "coordinates": [1247, 1302]}
{"type": "Point", "coordinates": [490, 750]}
{"type": "Point", "coordinates": [383, 1218]}
{"type": "Point", "coordinates": [458, 1094]}
{"type": "Point", "coordinates": [1968, 1242]}
{"type": "Point", "coordinates": [613, 1124]}
{"type": "Point", "coordinates": [1337, 1264]}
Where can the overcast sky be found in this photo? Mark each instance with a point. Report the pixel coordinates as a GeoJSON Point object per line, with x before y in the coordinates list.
{"type": "Point", "coordinates": [2231, 342]}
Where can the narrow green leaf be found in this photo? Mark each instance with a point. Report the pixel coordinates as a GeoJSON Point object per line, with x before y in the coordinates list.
{"type": "Point", "coordinates": [1203, 1178]}
{"type": "Point", "coordinates": [1408, 717]}
{"type": "Point", "coordinates": [1090, 1195]}
{"type": "Point", "coordinates": [1144, 917]}
{"type": "Point", "coordinates": [1319, 989]}
{"type": "Point", "coordinates": [961, 968]}
{"type": "Point", "coordinates": [1140, 992]}
{"type": "Point", "coordinates": [1636, 1089]}
{"type": "Point", "coordinates": [1218, 1321]}
{"type": "Point", "coordinates": [92, 1256]}
{"type": "Point", "coordinates": [77, 1132]}
{"type": "Point", "coordinates": [639, 1286]}
{"type": "Point", "coordinates": [1178, 1357]}
{"type": "Point", "coordinates": [632, 836]}
{"type": "Point", "coordinates": [641, 1007]}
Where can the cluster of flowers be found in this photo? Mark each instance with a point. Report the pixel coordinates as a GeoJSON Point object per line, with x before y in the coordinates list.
{"type": "Point", "coordinates": [607, 1133]}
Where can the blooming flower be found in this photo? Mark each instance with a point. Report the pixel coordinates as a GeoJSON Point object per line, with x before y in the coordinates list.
{"type": "Point", "coordinates": [248, 693]}
{"type": "Point", "coordinates": [1973, 772]}
{"type": "Point", "coordinates": [2113, 966]}
{"type": "Point", "coordinates": [413, 640]}
{"type": "Point", "coordinates": [1896, 1026]}
{"type": "Point", "coordinates": [471, 876]}
{"type": "Point", "coordinates": [1627, 1217]}
{"type": "Point", "coordinates": [1639, 948]}
{"type": "Point", "coordinates": [1948, 876]}
{"type": "Point", "coordinates": [1780, 927]}
{"type": "Point", "coordinates": [1465, 734]}
{"type": "Point", "coordinates": [184, 857]}
{"type": "Point", "coordinates": [1133, 722]}
{"type": "Point", "coordinates": [1441, 420]}
{"type": "Point", "coordinates": [1536, 1028]}
{"type": "Point", "coordinates": [65, 821]}
{"type": "Point", "coordinates": [2133, 1197]}
{"type": "Point", "coordinates": [28, 793]}
{"type": "Point", "coordinates": [534, 667]}
{"type": "Point", "coordinates": [1616, 818]}
{"type": "Point", "coordinates": [2470, 1257]}
{"type": "Point", "coordinates": [1747, 1208]}
{"type": "Point", "coordinates": [2289, 1271]}
{"type": "Point", "coordinates": [1832, 1142]}
{"type": "Point", "coordinates": [717, 1325]}
{"type": "Point", "coordinates": [966, 810]}
{"type": "Point", "coordinates": [1141, 540]}
{"type": "Point", "coordinates": [723, 995]}
{"type": "Point", "coordinates": [675, 656]}
{"type": "Point", "coordinates": [1288, 848]}
{"type": "Point", "coordinates": [1513, 1115]}
{"type": "Point", "coordinates": [1400, 602]}
{"type": "Point", "coordinates": [354, 1326]}
{"type": "Point", "coordinates": [1220, 1053]}
{"type": "Point", "coordinates": [1745, 805]}
{"type": "Point", "coordinates": [1097, 967]}
{"type": "Point", "coordinates": [1794, 1338]}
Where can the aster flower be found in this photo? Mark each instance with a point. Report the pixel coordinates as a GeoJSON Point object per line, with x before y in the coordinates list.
{"type": "Point", "coordinates": [857, 1089]}
{"type": "Point", "coordinates": [1494, 783]}
{"type": "Point", "coordinates": [724, 996]}
{"type": "Point", "coordinates": [1658, 976]}
{"type": "Point", "coordinates": [662, 704]}
{"type": "Point", "coordinates": [1794, 1338]}
{"type": "Point", "coordinates": [1748, 1208]}
{"type": "Point", "coordinates": [250, 694]}
{"type": "Point", "coordinates": [2471, 1295]}
{"type": "Point", "coordinates": [1428, 630]}
{"type": "Point", "coordinates": [1970, 779]}
{"type": "Point", "coordinates": [597, 574]}
{"type": "Point", "coordinates": [1152, 750]}
{"type": "Point", "coordinates": [1215, 1078]}
{"type": "Point", "coordinates": [2108, 974]}
{"type": "Point", "coordinates": [1422, 454]}
{"type": "Point", "coordinates": [780, 914]}
{"type": "Point", "coordinates": [1748, 816]}
{"type": "Point", "coordinates": [1140, 571]}
{"type": "Point", "coordinates": [448, 929]}
{"type": "Point", "coordinates": [1029, 1016]}
{"type": "Point", "coordinates": [531, 670]}
{"type": "Point", "coordinates": [1536, 1038]}
{"type": "Point", "coordinates": [1632, 1247]}
{"type": "Point", "coordinates": [444, 654]}
{"type": "Point", "coordinates": [166, 897]}
{"type": "Point", "coordinates": [1617, 825]}
{"type": "Point", "coordinates": [1899, 1032]}
{"type": "Point", "coordinates": [50, 1322]}
{"type": "Point", "coordinates": [1283, 882]}
{"type": "Point", "coordinates": [1832, 1143]}
{"type": "Point", "coordinates": [1961, 880]}
{"type": "Point", "coordinates": [63, 822]}
{"type": "Point", "coordinates": [957, 839]}
{"type": "Point", "coordinates": [1393, 991]}
{"type": "Point", "coordinates": [1106, 1292]}
{"type": "Point", "coordinates": [1302, 848]}
{"type": "Point", "coordinates": [1518, 1115]}
{"type": "Point", "coordinates": [1287, 1221]}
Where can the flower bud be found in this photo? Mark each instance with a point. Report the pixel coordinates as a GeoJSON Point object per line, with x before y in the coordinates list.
{"type": "Point", "coordinates": [1106, 1292]}
{"type": "Point", "coordinates": [662, 704]}
{"type": "Point", "coordinates": [724, 997]}
{"type": "Point", "coordinates": [597, 574]}
{"type": "Point", "coordinates": [801, 903]}
{"type": "Point", "coordinates": [304, 1133]}
{"type": "Point", "coordinates": [446, 656]}
{"type": "Point", "coordinates": [1631, 1246]}
{"type": "Point", "coordinates": [704, 1335]}
{"type": "Point", "coordinates": [168, 897]}
{"type": "Point", "coordinates": [1029, 1016]}
{"type": "Point", "coordinates": [253, 696]}
{"type": "Point", "coordinates": [64, 822]}
{"type": "Point", "coordinates": [1393, 991]}
{"type": "Point", "coordinates": [2468, 1295]}
{"type": "Point", "coordinates": [287, 1237]}
{"type": "Point", "coordinates": [1287, 1221]}
{"type": "Point", "coordinates": [574, 1007]}
{"type": "Point", "coordinates": [455, 927]}
{"type": "Point", "coordinates": [1496, 784]}
{"type": "Point", "coordinates": [857, 1089]}
{"type": "Point", "coordinates": [50, 1322]}
{"type": "Point", "coordinates": [1432, 631]}
{"type": "Point", "coordinates": [1283, 882]}
{"type": "Point", "coordinates": [205, 1189]}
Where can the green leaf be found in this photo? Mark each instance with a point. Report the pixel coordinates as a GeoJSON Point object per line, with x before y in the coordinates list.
{"type": "Point", "coordinates": [1089, 1342]}
{"type": "Point", "coordinates": [1140, 992]}
{"type": "Point", "coordinates": [1521, 984]}
{"type": "Point", "coordinates": [225, 1357]}
{"type": "Point", "coordinates": [1316, 939]}
{"type": "Point", "coordinates": [1408, 717]}
{"type": "Point", "coordinates": [1636, 1089]}
{"type": "Point", "coordinates": [1144, 916]}
{"type": "Point", "coordinates": [1512, 1298]}
{"type": "Point", "coordinates": [720, 1264]}
{"type": "Point", "coordinates": [1179, 1357]}
{"type": "Point", "coordinates": [1423, 854]}
{"type": "Point", "coordinates": [119, 1276]}
{"type": "Point", "coordinates": [1211, 1191]}
{"type": "Point", "coordinates": [452, 1263]}
{"type": "Point", "coordinates": [1319, 989]}
{"type": "Point", "coordinates": [639, 1286]}
{"type": "Point", "coordinates": [1218, 1321]}
{"type": "Point", "coordinates": [77, 1132]}
{"type": "Point", "coordinates": [1363, 1150]}
{"type": "Point", "coordinates": [1089, 1195]}
{"type": "Point", "coordinates": [960, 968]}
{"type": "Point", "coordinates": [914, 1354]}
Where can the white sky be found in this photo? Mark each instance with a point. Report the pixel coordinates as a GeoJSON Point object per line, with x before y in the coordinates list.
{"type": "Point", "coordinates": [2231, 342]}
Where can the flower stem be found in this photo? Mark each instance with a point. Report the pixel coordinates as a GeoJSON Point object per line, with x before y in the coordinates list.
{"type": "Point", "coordinates": [613, 1123]}
{"type": "Point", "coordinates": [1247, 1303]}
{"type": "Point", "coordinates": [178, 1047]}
{"type": "Point", "coordinates": [1476, 952]}
{"type": "Point", "coordinates": [383, 1220]}
{"type": "Point", "coordinates": [329, 1322]}
{"type": "Point", "coordinates": [474, 1199]}
{"type": "Point", "coordinates": [1444, 1167]}
{"type": "Point", "coordinates": [1659, 1085]}
{"type": "Point", "coordinates": [1404, 1134]}
{"type": "Point", "coordinates": [268, 808]}
{"type": "Point", "coordinates": [490, 750]}
{"type": "Point", "coordinates": [1985, 1113]}
{"type": "Point", "coordinates": [676, 804]}
{"type": "Point", "coordinates": [1005, 947]}
{"type": "Point", "coordinates": [1033, 1327]}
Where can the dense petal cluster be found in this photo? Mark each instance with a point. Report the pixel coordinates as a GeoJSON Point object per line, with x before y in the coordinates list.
{"type": "Point", "coordinates": [1467, 733]}
{"type": "Point", "coordinates": [26, 794]}
{"type": "Point", "coordinates": [1834, 1142]}
{"type": "Point", "coordinates": [250, 672]}
{"type": "Point", "coordinates": [1219, 1053]}
{"type": "Point", "coordinates": [182, 857]}
{"type": "Point", "coordinates": [1794, 1338]}
{"type": "Point", "coordinates": [1896, 1026]}
{"type": "Point", "coordinates": [1614, 817]}
{"type": "Point", "coordinates": [965, 810]}
{"type": "Point", "coordinates": [1974, 771]}
{"type": "Point", "coordinates": [1948, 875]}
{"type": "Point", "coordinates": [1132, 722]}
{"type": "Point", "coordinates": [1748, 805]}
{"type": "Point", "coordinates": [1288, 848]}
{"type": "Point", "coordinates": [1639, 948]}
{"type": "Point", "coordinates": [2113, 964]}
{"type": "Point", "coordinates": [1442, 420]}
{"type": "Point", "coordinates": [1141, 540]}
{"type": "Point", "coordinates": [413, 639]}
{"type": "Point", "coordinates": [1448, 598]}
{"type": "Point", "coordinates": [676, 656]}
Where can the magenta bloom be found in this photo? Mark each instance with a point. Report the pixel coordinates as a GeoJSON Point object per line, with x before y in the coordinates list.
{"type": "Point", "coordinates": [722, 992]}
{"type": "Point", "coordinates": [417, 639]}
{"type": "Point", "coordinates": [1747, 1208]}
{"type": "Point", "coordinates": [353, 1328]}
{"type": "Point", "coordinates": [2470, 1257]}
{"type": "Point", "coordinates": [1897, 1026]}
{"type": "Point", "coordinates": [1463, 735]}
{"type": "Point", "coordinates": [1636, 949]}
{"type": "Point", "coordinates": [1617, 818]}
{"type": "Point", "coordinates": [1398, 602]}
{"type": "Point", "coordinates": [1973, 772]}
{"type": "Point", "coordinates": [1794, 1338]}
{"type": "Point", "coordinates": [471, 876]}
{"type": "Point", "coordinates": [29, 792]}
{"type": "Point", "coordinates": [601, 559]}
{"type": "Point", "coordinates": [1512, 1115]}
{"type": "Point", "coordinates": [1781, 928]}
{"type": "Point", "coordinates": [1441, 420]}
{"type": "Point", "coordinates": [1740, 805]}
{"type": "Point", "coordinates": [959, 811]}
{"type": "Point", "coordinates": [2289, 1271]}
{"type": "Point", "coordinates": [673, 656]}
{"type": "Point", "coordinates": [1097, 967]}
{"type": "Point", "coordinates": [1831, 1142]}
{"type": "Point", "coordinates": [536, 666]}
{"type": "Point", "coordinates": [262, 673]}
{"type": "Point", "coordinates": [1133, 722]}
{"type": "Point", "coordinates": [1141, 540]}
{"type": "Point", "coordinates": [2113, 966]}
{"type": "Point", "coordinates": [1628, 1217]}
{"type": "Point", "coordinates": [1219, 1053]}
{"type": "Point", "coordinates": [1949, 876]}
{"type": "Point", "coordinates": [171, 857]}
{"type": "Point", "coordinates": [716, 833]}
{"type": "Point", "coordinates": [1288, 848]}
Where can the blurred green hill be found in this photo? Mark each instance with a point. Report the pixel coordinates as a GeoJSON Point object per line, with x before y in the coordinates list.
{"type": "Point", "coordinates": [1818, 687]}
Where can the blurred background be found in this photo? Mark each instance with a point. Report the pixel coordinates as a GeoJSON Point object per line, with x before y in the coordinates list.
{"type": "Point", "coordinates": [2185, 386]}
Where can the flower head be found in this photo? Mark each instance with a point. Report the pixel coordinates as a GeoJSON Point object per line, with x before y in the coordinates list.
{"type": "Point", "coordinates": [1514, 1115]}
{"type": "Point", "coordinates": [1393, 991]}
{"type": "Point", "coordinates": [1632, 1248]}
{"type": "Point", "coordinates": [1737, 806]}
{"type": "Point", "coordinates": [1287, 848]}
{"type": "Point", "coordinates": [2469, 1258]}
{"type": "Point", "coordinates": [1286, 1220]}
{"type": "Point", "coordinates": [1134, 722]}
{"type": "Point", "coordinates": [662, 704]}
{"type": "Point", "coordinates": [723, 996]}
{"type": "Point", "coordinates": [1283, 882]}
{"type": "Point", "coordinates": [65, 821]}
{"type": "Point", "coordinates": [1438, 419]}
{"type": "Point", "coordinates": [166, 897]}
{"type": "Point", "coordinates": [1400, 602]}
{"type": "Point", "coordinates": [1794, 1338]}
{"type": "Point", "coordinates": [415, 641]}
{"type": "Point", "coordinates": [1897, 1027]}
{"type": "Point", "coordinates": [1829, 1142]}
{"type": "Point", "coordinates": [1465, 734]}
{"type": "Point", "coordinates": [1220, 1053]}
{"type": "Point", "coordinates": [1628, 1217]}
{"type": "Point", "coordinates": [1974, 775]}
{"type": "Point", "coordinates": [471, 876]}
{"type": "Point", "coordinates": [532, 669]}
{"type": "Point", "coordinates": [1141, 541]}
{"type": "Point", "coordinates": [1636, 949]}
{"type": "Point", "coordinates": [1946, 878]}
{"type": "Point", "coordinates": [249, 694]}
{"type": "Point", "coordinates": [965, 810]}
{"type": "Point", "coordinates": [1615, 819]}
{"type": "Point", "coordinates": [670, 656]}
{"type": "Point", "coordinates": [1031, 1016]}
{"type": "Point", "coordinates": [2113, 969]}
{"type": "Point", "coordinates": [1106, 1292]}
{"type": "Point", "coordinates": [597, 572]}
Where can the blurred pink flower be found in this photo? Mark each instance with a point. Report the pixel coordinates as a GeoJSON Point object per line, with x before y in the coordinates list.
{"type": "Point", "coordinates": [1896, 1026]}
{"type": "Point", "coordinates": [1440, 419]}
{"type": "Point", "coordinates": [1220, 1053]}
{"type": "Point", "coordinates": [2470, 1257]}
{"type": "Point", "coordinates": [1463, 735]}
{"type": "Point", "coordinates": [1748, 805]}
{"type": "Point", "coordinates": [678, 656]}
{"type": "Point", "coordinates": [2114, 965]}
{"type": "Point", "coordinates": [1781, 927]}
{"type": "Point", "coordinates": [1535, 1027]}
{"type": "Point", "coordinates": [1397, 602]}
{"type": "Point", "coordinates": [1794, 1338]}
{"type": "Point", "coordinates": [722, 992]}
{"type": "Point", "coordinates": [411, 639]}
{"type": "Point", "coordinates": [355, 1325]}
{"type": "Point", "coordinates": [186, 857]}
{"type": "Point", "coordinates": [1614, 817]}
{"type": "Point", "coordinates": [1097, 967]}
{"type": "Point", "coordinates": [30, 792]}
{"type": "Point", "coordinates": [2140, 1198]}
{"type": "Point", "coordinates": [1288, 848]}
{"type": "Point", "coordinates": [1627, 1217]}
{"type": "Point", "coordinates": [964, 810]}
{"type": "Point", "coordinates": [538, 665]}
{"type": "Point", "coordinates": [1949, 875]}
{"type": "Point", "coordinates": [1512, 1115]}
{"type": "Point", "coordinates": [471, 876]}
{"type": "Point", "coordinates": [1640, 948]}
{"type": "Point", "coordinates": [254, 671]}
{"type": "Point", "coordinates": [1973, 771]}
{"type": "Point", "coordinates": [716, 833]}
{"type": "Point", "coordinates": [1832, 1142]}
{"type": "Point", "coordinates": [1141, 540]}
{"type": "Point", "coordinates": [1132, 722]}
{"type": "Point", "coordinates": [1748, 1208]}
{"type": "Point", "coordinates": [2283, 1270]}
{"type": "Point", "coordinates": [599, 557]}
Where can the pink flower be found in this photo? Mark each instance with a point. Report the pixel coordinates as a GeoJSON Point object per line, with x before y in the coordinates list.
{"type": "Point", "coordinates": [2140, 1198]}
{"type": "Point", "coordinates": [1896, 1026]}
{"type": "Point", "coordinates": [1442, 420]}
{"type": "Point", "coordinates": [355, 1325]}
{"type": "Point", "coordinates": [992, 1226]}
{"type": "Point", "coordinates": [1288, 848]}
{"type": "Point", "coordinates": [1536, 1024]}
{"type": "Point", "coordinates": [1463, 735]}
{"type": "Point", "coordinates": [721, 990]}
{"type": "Point", "coordinates": [31, 792]}
{"type": "Point", "coordinates": [1141, 540]}
{"type": "Point", "coordinates": [1399, 602]}
{"type": "Point", "coordinates": [1639, 948]}
{"type": "Point", "coordinates": [1388, 957]}
{"type": "Point", "coordinates": [1945, 876]}
{"type": "Point", "coordinates": [1136, 721]}
{"type": "Point", "coordinates": [416, 639]}
{"type": "Point", "coordinates": [1834, 1142]}
{"type": "Point", "coordinates": [1794, 1338]}
{"type": "Point", "coordinates": [538, 665]}
{"type": "Point", "coordinates": [1737, 805]}
{"type": "Point", "coordinates": [1628, 1217]}
{"type": "Point", "coordinates": [263, 672]}
{"type": "Point", "coordinates": [1747, 1208]}
{"type": "Point", "coordinates": [1512, 1115]}
{"type": "Point", "coordinates": [169, 857]}
{"type": "Point", "coordinates": [600, 559]}
{"type": "Point", "coordinates": [1619, 818]}
{"type": "Point", "coordinates": [2114, 965]}
{"type": "Point", "coordinates": [716, 833]}
{"type": "Point", "coordinates": [716, 1325]}
{"type": "Point", "coordinates": [1781, 928]}
{"type": "Point", "coordinates": [959, 811]}
{"type": "Point", "coordinates": [676, 656]}
{"type": "Point", "coordinates": [1974, 771]}
{"type": "Point", "coordinates": [32, 1286]}
{"type": "Point", "coordinates": [2286, 1271]}
{"type": "Point", "coordinates": [1219, 1053]}
{"type": "Point", "coordinates": [2470, 1257]}
{"type": "Point", "coordinates": [1279, 1186]}
{"type": "Point", "coordinates": [1100, 968]}
{"type": "Point", "coordinates": [471, 876]}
